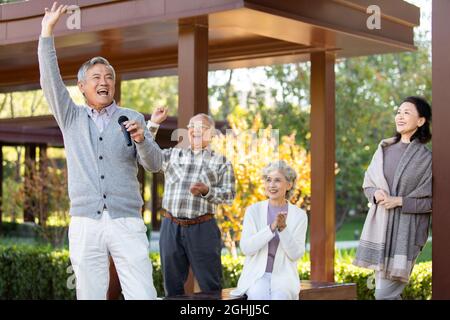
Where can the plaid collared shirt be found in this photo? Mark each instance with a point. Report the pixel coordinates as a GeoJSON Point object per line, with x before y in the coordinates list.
{"type": "Point", "coordinates": [182, 168]}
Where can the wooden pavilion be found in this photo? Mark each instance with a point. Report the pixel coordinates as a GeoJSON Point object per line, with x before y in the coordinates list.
{"type": "Point", "coordinates": [144, 38]}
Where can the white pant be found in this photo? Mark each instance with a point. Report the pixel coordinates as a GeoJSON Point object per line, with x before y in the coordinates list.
{"type": "Point", "coordinates": [261, 290]}
{"type": "Point", "coordinates": [90, 243]}
{"type": "Point", "coordinates": [388, 289]}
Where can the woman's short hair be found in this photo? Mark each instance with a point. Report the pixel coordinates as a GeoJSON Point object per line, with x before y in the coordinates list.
{"type": "Point", "coordinates": [287, 171]}
{"type": "Point", "coordinates": [423, 133]}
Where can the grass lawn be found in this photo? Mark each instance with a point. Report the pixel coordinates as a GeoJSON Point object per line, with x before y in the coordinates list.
{"type": "Point", "coordinates": [24, 241]}
{"type": "Point", "coordinates": [351, 229]}
{"type": "Point", "coordinates": [425, 255]}
{"type": "Point", "coordinates": [11, 241]}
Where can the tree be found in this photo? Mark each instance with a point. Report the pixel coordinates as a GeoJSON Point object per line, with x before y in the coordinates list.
{"type": "Point", "coordinates": [250, 149]}
{"type": "Point", "coordinates": [368, 91]}
{"type": "Point", "coordinates": [144, 95]}
{"type": "Point", "coordinates": [46, 188]}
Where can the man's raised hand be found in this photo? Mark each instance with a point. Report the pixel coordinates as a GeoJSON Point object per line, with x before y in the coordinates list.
{"type": "Point", "coordinates": [159, 115]}
{"type": "Point", "coordinates": [51, 17]}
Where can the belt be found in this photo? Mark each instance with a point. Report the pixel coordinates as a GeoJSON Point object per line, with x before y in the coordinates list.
{"type": "Point", "coordinates": [189, 222]}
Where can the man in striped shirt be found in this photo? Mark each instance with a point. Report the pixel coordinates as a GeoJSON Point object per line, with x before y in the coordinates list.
{"type": "Point", "coordinates": [197, 180]}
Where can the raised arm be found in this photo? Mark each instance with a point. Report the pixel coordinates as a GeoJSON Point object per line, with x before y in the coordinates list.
{"type": "Point", "coordinates": [159, 115]}
{"type": "Point", "coordinates": [56, 94]}
{"type": "Point", "coordinates": [51, 18]}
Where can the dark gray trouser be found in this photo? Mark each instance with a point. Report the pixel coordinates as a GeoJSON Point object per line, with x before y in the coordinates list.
{"type": "Point", "coordinates": [198, 246]}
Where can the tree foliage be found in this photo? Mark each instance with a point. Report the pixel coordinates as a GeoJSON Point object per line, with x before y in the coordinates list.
{"type": "Point", "coordinates": [368, 92]}
{"type": "Point", "coordinates": [250, 148]}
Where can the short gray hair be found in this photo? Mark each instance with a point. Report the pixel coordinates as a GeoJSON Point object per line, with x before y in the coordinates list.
{"type": "Point", "coordinates": [88, 64]}
{"type": "Point", "coordinates": [287, 171]}
{"type": "Point", "coordinates": [211, 121]}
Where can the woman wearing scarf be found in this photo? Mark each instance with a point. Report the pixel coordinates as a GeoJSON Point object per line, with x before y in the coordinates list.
{"type": "Point", "coordinates": [398, 184]}
{"type": "Point", "coordinates": [273, 239]}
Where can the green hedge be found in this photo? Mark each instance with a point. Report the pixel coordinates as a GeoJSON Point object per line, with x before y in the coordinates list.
{"type": "Point", "coordinates": [28, 272]}
{"type": "Point", "coordinates": [15, 229]}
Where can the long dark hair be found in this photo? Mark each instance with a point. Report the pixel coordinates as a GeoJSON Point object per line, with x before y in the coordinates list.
{"type": "Point", "coordinates": [423, 133]}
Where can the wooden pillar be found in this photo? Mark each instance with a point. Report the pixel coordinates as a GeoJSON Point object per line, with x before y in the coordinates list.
{"type": "Point", "coordinates": [192, 69]}
{"type": "Point", "coordinates": [30, 170]}
{"type": "Point", "coordinates": [322, 166]}
{"type": "Point", "coordinates": [114, 288]}
{"type": "Point", "coordinates": [192, 83]}
{"type": "Point", "coordinates": [118, 89]}
{"type": "Point", "coordinates": [110, 46]}
{"type": "Point", "coordinates": [441, 152]}
{"type": "Point", "coordinates": [1, 186]}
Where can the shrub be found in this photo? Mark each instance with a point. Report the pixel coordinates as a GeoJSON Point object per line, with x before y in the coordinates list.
{"type": "Point", "coordinates": [38, 272]}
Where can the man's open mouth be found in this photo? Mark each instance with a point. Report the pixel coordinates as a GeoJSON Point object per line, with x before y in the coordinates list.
{"type": "Point", "coordinates": [103, 92]}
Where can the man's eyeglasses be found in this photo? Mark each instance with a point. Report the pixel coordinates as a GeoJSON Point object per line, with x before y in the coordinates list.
{"type": "Point", "coordinates": [198, 126]}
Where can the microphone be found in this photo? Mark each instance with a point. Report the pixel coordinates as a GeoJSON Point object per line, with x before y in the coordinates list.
{"type": "Point", "coordinates": [126, 134]}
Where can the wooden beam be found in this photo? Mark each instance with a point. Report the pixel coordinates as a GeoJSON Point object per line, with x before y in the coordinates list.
{"type": "Point", "coordinates": [441, 152]}
{"type": "Point", "coordinates": [192, 69]}
{"type": "Point", "coordinates": [237, 53]}
{"type": "Point", "coordinates": [322, 166]}
{"type": "Point", "coordinates": [311, 290]}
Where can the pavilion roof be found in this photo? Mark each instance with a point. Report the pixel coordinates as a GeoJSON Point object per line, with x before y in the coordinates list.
{"type": "Point", "coordinates": [140, 37]}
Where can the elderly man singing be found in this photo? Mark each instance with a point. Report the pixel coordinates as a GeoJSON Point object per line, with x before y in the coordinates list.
{"type": "Point", "coordinates": [196, 180]}
{"type": "Point", "coordinates": [102, 168]}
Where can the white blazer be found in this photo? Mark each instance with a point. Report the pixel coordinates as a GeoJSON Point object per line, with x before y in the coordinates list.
{"type": "Point", "coordinates": [254, 244]}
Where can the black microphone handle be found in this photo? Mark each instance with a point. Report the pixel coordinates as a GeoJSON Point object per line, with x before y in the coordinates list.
{"type": "Point", "coordinates": [126, 134]}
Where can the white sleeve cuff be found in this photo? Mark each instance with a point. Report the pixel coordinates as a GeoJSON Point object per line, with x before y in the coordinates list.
{"type": "Point", "coordinates": [151, 124]}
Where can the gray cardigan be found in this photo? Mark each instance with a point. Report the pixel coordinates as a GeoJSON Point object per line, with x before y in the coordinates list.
{"type": "Point", "coordinates": [102, 169]}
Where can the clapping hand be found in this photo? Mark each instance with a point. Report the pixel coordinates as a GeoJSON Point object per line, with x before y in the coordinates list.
{"type": "Point", "coordinates": [279, 222]}
{"type": "Point", "coordinates": [199, 189]}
